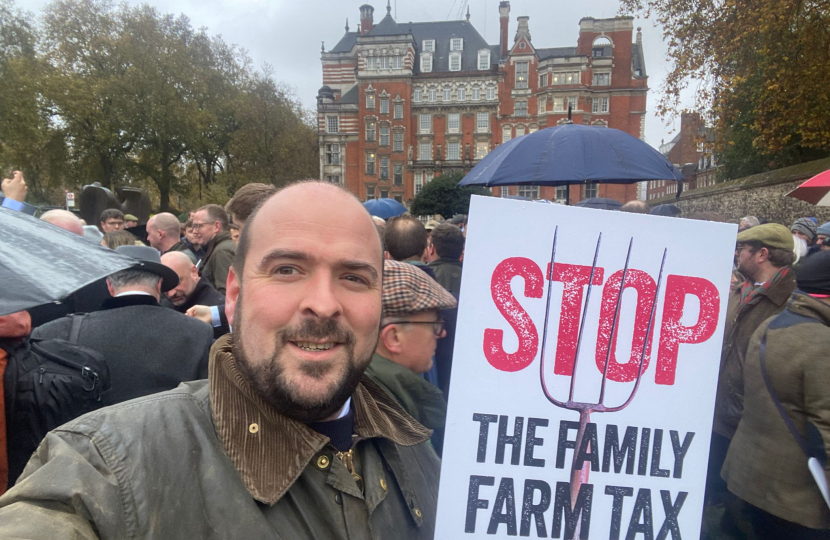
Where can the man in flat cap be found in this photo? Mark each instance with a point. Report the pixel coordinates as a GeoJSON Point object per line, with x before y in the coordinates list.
{"type": "Point", "coordinates": [763, 255]}
{"type": "Point", "coordinates": [410, 329]}
{"type": "Point", "coordinates": [767, 461]}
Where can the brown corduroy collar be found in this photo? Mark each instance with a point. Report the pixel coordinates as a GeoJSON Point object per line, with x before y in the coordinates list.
{"type": "Point", "coordinates": [269, 450]}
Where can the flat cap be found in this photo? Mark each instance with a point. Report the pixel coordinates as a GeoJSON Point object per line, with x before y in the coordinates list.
{"type": "Point", "coordinates": [771, 235]}
{"type": "Point", "coordinates": [130, 217]}
{"type": "Point", "coordinates": [407, 289]}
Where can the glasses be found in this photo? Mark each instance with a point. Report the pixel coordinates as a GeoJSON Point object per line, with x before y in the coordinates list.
{"type": "Point", "coordinates": [114, 223]}
{"type": "Point", "coordinates": [437, 326]}
{"type": "Point", "coordinates": [197, 226]}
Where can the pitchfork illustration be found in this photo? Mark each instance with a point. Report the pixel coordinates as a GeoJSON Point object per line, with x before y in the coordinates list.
{"type": "Point", "coordinates": [580, 476]}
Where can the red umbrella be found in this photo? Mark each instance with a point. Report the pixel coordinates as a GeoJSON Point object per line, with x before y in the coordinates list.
{"type": "Point", "coordinates": [816, 190]}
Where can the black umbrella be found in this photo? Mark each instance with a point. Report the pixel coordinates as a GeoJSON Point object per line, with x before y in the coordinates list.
{"type": "Point", "coordinates": [665, 210]}
{"type": "Point", "coordinates": [600, 203]}
{"type": "Point", "coordinates": [41, 263]}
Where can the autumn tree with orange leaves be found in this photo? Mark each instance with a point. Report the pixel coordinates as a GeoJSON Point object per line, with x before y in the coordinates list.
{"type": "Point", "coordinates": [760, 68]}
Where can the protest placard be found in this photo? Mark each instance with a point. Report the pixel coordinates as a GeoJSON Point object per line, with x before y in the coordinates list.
{"type": "Point", "coordinates": [538, 449]}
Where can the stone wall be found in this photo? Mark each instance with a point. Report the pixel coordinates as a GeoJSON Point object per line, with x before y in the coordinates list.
{"type": "Point", "coordinates": [761, 195]}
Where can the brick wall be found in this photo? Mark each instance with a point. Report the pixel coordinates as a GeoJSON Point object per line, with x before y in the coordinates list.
{"type": "Point", "coordinates": [760, 195]}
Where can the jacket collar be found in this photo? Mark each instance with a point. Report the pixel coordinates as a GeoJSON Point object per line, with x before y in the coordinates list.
{"type": "Point", "coordinates": [270, 451]}
{"type": "Point", "coordinates": [210, 247]}
{"type": "Point", "coordinates": [447, 260]}
{"type": "Point", "coordinates": [804, 304]}
{"type": "Point", "coordinates": [430, 407]}
{"type": "Point", "coordinates": [128, 300]}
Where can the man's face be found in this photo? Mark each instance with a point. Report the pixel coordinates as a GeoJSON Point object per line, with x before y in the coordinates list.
{"type": "Point", "coordinates": [204, 230]}
{"type": "Point", "coordinates": [112, 224]}
{"type": "Point", "coordinates": [153, 235]}
{"type": "Point", "coordinates": [419, 339]}
{"type": "Point", "coordinates": [747, 262]}
{"type": "Point", "coordinates": [306, 313]}
{"type": "Point", "coordinates": [188, 279]}
{"type": "Point", "coordinates": [235, 235]}
{"type": "Point", "coordinates": [799, 234]}
{"type": "Point", "coordinates": [130, 223]}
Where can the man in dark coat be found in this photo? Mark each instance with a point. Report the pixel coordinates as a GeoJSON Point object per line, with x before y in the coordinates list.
{"type": "Point", "coordinates": [446, 244]}
{"type": "Point", "coordinates": [210, 229]}
{"type": "Point", "coordinates": [193, 290]}
{"type": "Point", "coordinates": [164, 234]}
{"type": "Point", "coordinates": [148, 348]}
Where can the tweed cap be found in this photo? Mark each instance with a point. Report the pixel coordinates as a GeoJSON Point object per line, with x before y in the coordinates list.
{"type": "Point", "coordinates": [771, 235]}
{"type": "Point", "coordinates": [805, 226]}
{"type": "Point", "coordinates": [130, 217]}
{"type": "Point", "coordinates": [407, 289]}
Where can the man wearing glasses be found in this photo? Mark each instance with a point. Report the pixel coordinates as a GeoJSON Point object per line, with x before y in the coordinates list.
{"type": "Point", "coordinates": [410, 329]}
{"type": "Point", "coordinates": [210, 230]}
{"type": "Point", "coordinates": [112, 220]}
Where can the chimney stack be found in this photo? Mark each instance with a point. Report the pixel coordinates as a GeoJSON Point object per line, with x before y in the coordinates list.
{"type": "Point", "coordinates": [523, 30]}
{"type": "Point", "coordinates": [504, 19]}
{"type": "Point", "coordinates": [366, 19]}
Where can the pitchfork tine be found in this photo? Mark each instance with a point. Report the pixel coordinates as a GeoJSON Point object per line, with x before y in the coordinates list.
{"type": "Point", "coordinates": [648, 336]}
{"type": "Point", "coordinates": [584, 317]}
{"type": "Point", "coordinates": [545, 327]}
{"type": "Point", "coordinates": [614, 323]}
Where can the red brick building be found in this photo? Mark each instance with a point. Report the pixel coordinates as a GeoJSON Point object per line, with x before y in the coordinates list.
{"type": "Point", "coordinates": [402, 103]}
{"type": "Point", "coordinates": [691, 152]}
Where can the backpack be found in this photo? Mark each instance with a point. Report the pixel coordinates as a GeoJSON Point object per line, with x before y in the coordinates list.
{"type": "Point", "coordinates": [48, 382]}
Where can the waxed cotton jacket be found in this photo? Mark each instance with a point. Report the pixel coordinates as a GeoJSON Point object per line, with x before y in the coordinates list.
{"type": "Point", "coordinates": [765, 465]}
{"type": "Point", "coordinates": [214, 461]}
{"type": "Point", "coordinates": [218, 259]}
{"type": "Point", "coordinates": [741, 323]}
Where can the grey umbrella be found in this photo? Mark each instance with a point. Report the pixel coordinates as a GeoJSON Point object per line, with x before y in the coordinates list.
{"type": "Point", "coordinates": [41, 263]}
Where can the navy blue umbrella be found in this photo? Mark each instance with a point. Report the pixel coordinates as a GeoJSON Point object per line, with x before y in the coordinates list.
{"type": "Point", "coordinates": [571, 154]}
{"type": "Point", "coordinates": [600, 203]}
{"type": "Point", "coordinates": [384, 208]}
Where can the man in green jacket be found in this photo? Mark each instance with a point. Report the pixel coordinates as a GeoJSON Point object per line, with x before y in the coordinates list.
{"type": "Point", "coordinates": [410, 329]}
{"type": "Point", "coordinates": [766, 465]}
{"type": "Point", "coordinates": [210, 230]}
{"type": "Point", "coordinates": [287, 438]}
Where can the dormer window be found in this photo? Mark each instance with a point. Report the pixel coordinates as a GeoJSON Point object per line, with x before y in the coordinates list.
{"type": "Point", "coordinates": [455, 61]}
{"type": "Point", "coordinates": [426, 62]}
{"type": "Point", "coordinates": [428, 45]}
{"type": "Point", "coordinates": [483, 59]}
{"type": "Point", "coordinates": [457, 44]}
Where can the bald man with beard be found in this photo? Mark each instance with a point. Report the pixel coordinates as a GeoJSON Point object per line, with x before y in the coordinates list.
{"type": "Point", "coordinates": [194, 290]}
{"type": "Point", "coordinates": [287, 438]}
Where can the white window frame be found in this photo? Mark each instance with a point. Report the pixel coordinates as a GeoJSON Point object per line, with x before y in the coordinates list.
{"type": "Point", "coordinates": [371, 131]}
{"type": "Point", "coordinates": [397, 62]}
{"type": "Point", "coordinates": [432, 95]}
{"type": "Point", "coordinates": [370, 100]}
{"type": "Point", "coordinates": [455, 61]}
{"type": "Point", "coordinates": [332, 124]}
{"type": "Point", "coordinates": [456, 44]}
{"type": "Point", "coordinates": [453, 151]}
{"type": "Point", "coordinates": [531, 192]}
{"type": "Point", "coordinates": [371, 158]}
{"type": "Point", "coordinates": [482, 122]}
{"type": "Point", "coordinates": [461, 93]}
{"type": "Point", "coordinates": [419, 181]}
{"type": "Point", "coordinates": [573, 103]}
{"type": "Point", "coordinates": [483, 60]}
{"type": "Point", "coordinates": [425, 123]}
{"type": "Point", "coordinates": [398, 111]}
{"type": "Point", "coordinates": [602, 79]}
{"type": "Point", "coordinates": [447, 95]}
{"type": "Point", "coordinates": [384, 136]}
{"type": "Point", "coordinates": [522, 68]}
{"type": "Point", "coordinates": [559, 104]}
{"type": "Point", "coordinates": [505, 191]}
{"type": "Point", "coordinates": [520, 131]}
{"type": "Point", "coordinates": [333, 179]}
{"type": "Point", "coordinates": [600, 105]}
{"type": "Point", "coordinates": [490, 93]}
{"type": "Point", "coordinates": [561, 193]}
{"type": "Point", "coordinates": [332, 153]}
{"type": "Point", "coordinates": [426, 62]}
{"type": "Point", "coordinates": [397, 174]}
{"type": "Point", "coordinates": [482, 148]}
{"type": "Point", "coordinates": [385, 62]}
{"type": "Point", "coordinates": [506, 133]}
{"type": "Point", "coordinates": [543, 80]}
{"type": "Point", "coordinates": [417, 95]}
{"type": "Point", "coordinates": [541, 105]}
{"type": "Point", "coordinates": [476, 93]}
{"type": "Point", "coordinates": [560, 78]}
{"type": "Point", "coordinates": [428, 45]}
{"type": "Point", "coordinates": [590, 190]}
{"type": "Point", "coordinates": [517, 111]}
{"type": "Point", "coordinates": [453, 122]}
{"type": "Point", "coordinates": [425, 151]}
{"type": "Point", "coordinates": [371, 63]}
{"type": "Point", "coordinates": [384, 168]}
{"type": "Point", "coordinates": [384, 105]}
{"type": "Point", "coordinates": [397, 141]}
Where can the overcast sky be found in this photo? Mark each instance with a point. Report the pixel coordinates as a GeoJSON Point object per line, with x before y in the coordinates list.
{"type": "Point", "coordinates": [286, 34]}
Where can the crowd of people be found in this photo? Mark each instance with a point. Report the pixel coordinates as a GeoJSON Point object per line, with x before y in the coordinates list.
{"type": "Point", "coordinates": [280, 367]}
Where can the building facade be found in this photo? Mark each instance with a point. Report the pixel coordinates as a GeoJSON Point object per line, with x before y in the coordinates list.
{"type": "Point", "coordinates": [691, 151]}
{"type": "Point", "coordinates": [402, 103]}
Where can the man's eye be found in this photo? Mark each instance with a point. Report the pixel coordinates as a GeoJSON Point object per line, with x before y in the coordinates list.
{"type": "Point", "coordinates": [285, 270]}
{"type": "Point", "coordinates": [357, 279]}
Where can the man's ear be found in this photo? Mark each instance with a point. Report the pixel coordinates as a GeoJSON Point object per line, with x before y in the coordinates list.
{"type": "Point", "coordinates": [391, 336]}
{"type": "Point", "coordinates": [110, 288]}
{"type": "Point", "coordinates": [387, 256]}
{"type": "Point", "coordinates": [232, 288]}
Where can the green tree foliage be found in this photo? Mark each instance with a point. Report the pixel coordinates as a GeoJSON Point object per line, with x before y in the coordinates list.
{"type": "Point", "coordinates": [760, 69]}
{"type": "Point", "coordinates": [125, 95]}
{"type": "Point", "coordinates": [444, 196]}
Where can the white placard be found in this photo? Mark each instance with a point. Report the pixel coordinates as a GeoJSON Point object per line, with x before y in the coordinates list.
{"type": "Point", "coordinates": [70, 199]}
{"type": "Point", "coordinates": [509, 450]}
